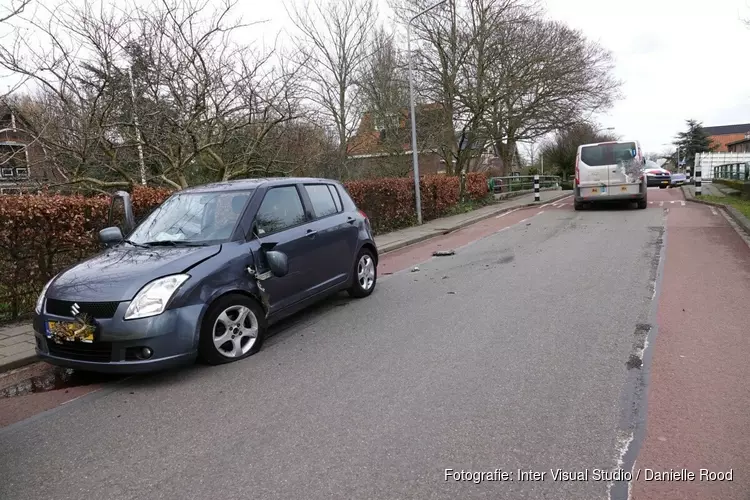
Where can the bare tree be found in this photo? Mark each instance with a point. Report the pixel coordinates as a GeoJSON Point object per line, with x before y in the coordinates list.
{"type": "Point", "coordinates": [333, 40]}
{"type": "Point", "coordinates": [165, 78]}
{"type": "Point", "coordinates": [14, 8]}
{"type": "Point", "coordinates": [550, 77]}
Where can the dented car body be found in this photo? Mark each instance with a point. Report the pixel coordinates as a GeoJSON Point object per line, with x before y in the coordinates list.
{"type": "Point", "coordinates": [205, 274]}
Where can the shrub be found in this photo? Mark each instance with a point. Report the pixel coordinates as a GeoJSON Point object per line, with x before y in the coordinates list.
{"type": "Point", "coordinates": [42, 234]}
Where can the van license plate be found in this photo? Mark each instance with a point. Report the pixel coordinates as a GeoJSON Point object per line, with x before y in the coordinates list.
{"type": "Point", "coordinates": [623, 188]}
{"type": "Point", "coordinates": [594, 190]}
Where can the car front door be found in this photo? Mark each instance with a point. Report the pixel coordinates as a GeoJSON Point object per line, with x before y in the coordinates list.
{"type": "Point", "coordinates": [336, 235]}
{"type": "Point", "coordinates": [282, 224]}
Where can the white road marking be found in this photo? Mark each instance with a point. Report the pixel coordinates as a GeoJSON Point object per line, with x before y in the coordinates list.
{"type": "Point", "coordinates": [540, 212]}
{"type": "Point", "coordinates": [682, 203]}
{"type": "Point", "coordinates": [506, 213]}
{"type": "Point", "coordinates": [546, 205]}
{"type": "Point", "coordinates": [713, 211]}
{"type": "Point", "coordinates": [672, 202]}
{"type": "Point", "coordinates": [661, 203]}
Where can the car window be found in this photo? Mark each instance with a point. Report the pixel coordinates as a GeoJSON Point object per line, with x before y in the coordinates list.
{"type": "Point", "coordinates": [321, 199]}
{"type": "Point", "coordinates": [336, 197]}
{"type": "Point", "coordinates": [281, 208]}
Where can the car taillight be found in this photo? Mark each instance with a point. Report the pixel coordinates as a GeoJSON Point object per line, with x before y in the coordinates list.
{"type": "Point", "coordinates": [363, 214]}
{"type": "Point", "coordinates": [578, 173]}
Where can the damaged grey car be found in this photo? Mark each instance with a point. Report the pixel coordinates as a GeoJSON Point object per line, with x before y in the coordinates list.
{"type": "Point", "coordinates": [205, 274]}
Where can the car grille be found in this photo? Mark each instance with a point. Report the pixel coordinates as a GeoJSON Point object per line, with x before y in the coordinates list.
{"type": "Point", "coordinates": [101, 310]}
{"type": "Point", "coordinates": [81, 351]}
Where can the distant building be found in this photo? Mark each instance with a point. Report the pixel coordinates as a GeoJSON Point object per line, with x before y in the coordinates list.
{"type": "Point", "coordinates": [723, 135]}
{"type": "Point", "coordinates": [382, 145]}
{"type": "Point", "coordinates": [23, 162]}
{"type": "Point", "coordinates": [740, 146]}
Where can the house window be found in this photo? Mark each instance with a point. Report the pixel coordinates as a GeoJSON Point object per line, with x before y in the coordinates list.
{"type": "Point", "coordinates": [22, 173]}
{"type": "Point", "coordinates": [385, 121]}
{"type": "Point", "coordinates": [6, 173]}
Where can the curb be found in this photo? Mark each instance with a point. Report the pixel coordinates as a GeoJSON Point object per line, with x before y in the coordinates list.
{"type": "Point", "coordinates": [19, 363]}
{"type": "Point", "coordinates": [735, 214]}
{"type": "Point", "coordinates": [440, 232]}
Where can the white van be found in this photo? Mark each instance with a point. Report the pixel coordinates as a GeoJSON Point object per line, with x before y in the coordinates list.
{"type": "Point", "coordinates": [610, 171]}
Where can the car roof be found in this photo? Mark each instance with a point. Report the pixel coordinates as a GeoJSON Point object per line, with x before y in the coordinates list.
{"type": "Point", "coordinates": [247, 184]}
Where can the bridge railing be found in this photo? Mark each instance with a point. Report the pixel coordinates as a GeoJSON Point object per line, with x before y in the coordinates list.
{"type": "Point", "coordinates": [733, 171]}
{"type": "Point", "coordinates": [513, 183]}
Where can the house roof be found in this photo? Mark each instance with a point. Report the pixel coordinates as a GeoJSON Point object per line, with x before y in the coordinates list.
{"type": "Point", "coordinates": [740, 128]}
{"type": "Point", "coordinates": [741, 141]}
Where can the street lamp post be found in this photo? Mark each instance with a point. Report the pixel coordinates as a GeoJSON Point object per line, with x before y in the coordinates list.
{"type": "Point", "coordinates": [414, 154]}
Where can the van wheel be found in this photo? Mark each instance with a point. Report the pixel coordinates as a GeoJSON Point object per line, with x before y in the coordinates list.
{"type": "Point", "coordinates": [364, 276]}
{"type": "Point", "coordinates": [642, 204]}
{"type": "Point", "coordinates": [234, 328]}
{"type": "Point", "coordinates": [577, 205]}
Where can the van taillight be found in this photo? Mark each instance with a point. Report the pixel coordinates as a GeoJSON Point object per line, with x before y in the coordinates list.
{"type": "Point", "coordinates": [578, 173]}
{"type": "Point", "coordinates": [362, 214]}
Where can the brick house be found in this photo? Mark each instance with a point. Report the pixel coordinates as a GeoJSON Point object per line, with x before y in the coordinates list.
{"type": "Point", "coordinates": [23, 164]}
{"type": "Point", "coordinates": [723, 135]}
{"type": "Point", "coordinates": [382, 145]}
{"type": "Point", "coordinates": [740, 146]}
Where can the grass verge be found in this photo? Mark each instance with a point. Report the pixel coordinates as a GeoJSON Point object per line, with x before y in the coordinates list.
{"type": "Point", "coordinates": [742, 205]}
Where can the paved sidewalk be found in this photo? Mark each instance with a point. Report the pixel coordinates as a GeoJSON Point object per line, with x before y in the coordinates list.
{"type": "Point", "coordinates": [16, 346]}
{"type": "Point", "coordinates": [17, 341]}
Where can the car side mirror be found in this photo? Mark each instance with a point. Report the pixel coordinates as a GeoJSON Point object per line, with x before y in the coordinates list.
{"type": "Point", "coordinates": [110, 236]}
{"type": "Point", "coordinates": [278, 263]}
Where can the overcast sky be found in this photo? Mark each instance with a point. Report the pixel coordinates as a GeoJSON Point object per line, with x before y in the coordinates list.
{"type": "Point", "coordinates": [678, 59]}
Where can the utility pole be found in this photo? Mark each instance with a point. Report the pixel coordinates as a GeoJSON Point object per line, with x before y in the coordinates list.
{"type": "Point", "coordinates": [414, 153]}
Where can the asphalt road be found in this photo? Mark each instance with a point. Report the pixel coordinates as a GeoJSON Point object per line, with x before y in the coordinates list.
{"type": "Point", "coordinates": [521, 351]}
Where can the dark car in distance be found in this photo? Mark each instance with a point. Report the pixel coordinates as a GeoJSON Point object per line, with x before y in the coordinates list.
{"type": "Point", "coordinates": [205, 274]}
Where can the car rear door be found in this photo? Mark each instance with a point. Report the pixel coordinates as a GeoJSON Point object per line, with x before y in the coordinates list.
{"type": "Point", "coordinates": [335, 234]}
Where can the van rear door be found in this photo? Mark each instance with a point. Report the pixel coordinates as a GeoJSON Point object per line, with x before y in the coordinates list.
{"type": "Point", "coordinates": [609, 168]}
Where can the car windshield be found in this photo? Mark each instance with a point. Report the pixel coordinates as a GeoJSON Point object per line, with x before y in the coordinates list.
{"type": "Point", "coordinates": [608, 154]}
{"type": "Point", "coordinates": [192, 218]}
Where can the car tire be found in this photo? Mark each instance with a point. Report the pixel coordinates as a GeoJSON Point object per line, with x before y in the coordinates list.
{"type": "Point", "coordinates": [223, 320]}
{"type": "Point", "coordinates": [364, 275]}
{"type": "Point", "coordinates": [662, 187]}
{"type": "Point", "coordinates": [642, 204]}
{"type": "Point", "coordinates": [577, 205]}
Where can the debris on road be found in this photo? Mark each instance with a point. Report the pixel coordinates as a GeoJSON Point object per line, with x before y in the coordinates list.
{"type": "Point", "coordinates": [415, 269]}
{"type": "Point", "coordinates": [443, 253]}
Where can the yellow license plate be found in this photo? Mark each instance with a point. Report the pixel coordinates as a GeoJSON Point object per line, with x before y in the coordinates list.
{"type": "Point", "coordinates": [623, 188]}
{"type": "Point", "coordinates": [594, 190]}
{"type": "Point", "coordinates": [665, 182]}
{"type": "Point", "coordinates": [70, 332]}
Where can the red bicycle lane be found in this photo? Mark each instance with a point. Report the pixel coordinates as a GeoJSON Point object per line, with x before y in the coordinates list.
{"type": "Point", "coordinates": [698, 406]}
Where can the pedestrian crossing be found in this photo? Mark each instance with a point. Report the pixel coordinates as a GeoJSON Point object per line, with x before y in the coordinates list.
{"type": "Point", "coordinates": [569, 204]}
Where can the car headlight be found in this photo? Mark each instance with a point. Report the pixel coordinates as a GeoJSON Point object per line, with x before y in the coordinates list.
{"type": "Point", "coordinates": [153, 298]}
{"type": "Point", "coordinates": [40, 300]}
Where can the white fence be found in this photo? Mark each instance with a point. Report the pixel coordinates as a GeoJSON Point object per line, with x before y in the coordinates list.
{"type": "Point", "coordinates": [709, 161]}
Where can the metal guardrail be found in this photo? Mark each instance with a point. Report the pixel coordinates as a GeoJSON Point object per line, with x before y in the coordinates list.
{"type": "Point", "coordinates": [513, 183]}
{"type": "Point", "coordinates": [733, 171]}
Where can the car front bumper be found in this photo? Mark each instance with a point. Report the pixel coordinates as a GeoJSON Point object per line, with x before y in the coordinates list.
{"type": "Point", "coordinates": [171, 336]}
{"type": "Point", "coordinates": [658, 181]}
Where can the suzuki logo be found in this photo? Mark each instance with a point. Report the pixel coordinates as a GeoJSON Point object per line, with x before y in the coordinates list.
{"type": "Point", "coordinates": [75, 309]}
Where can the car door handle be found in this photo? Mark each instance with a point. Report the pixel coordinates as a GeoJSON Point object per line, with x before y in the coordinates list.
{"type": "Point", "coordinates": [350, 220]}
{"type": "Point", "coordinates": [311, 233]}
